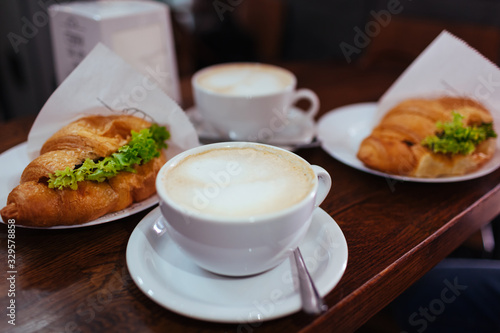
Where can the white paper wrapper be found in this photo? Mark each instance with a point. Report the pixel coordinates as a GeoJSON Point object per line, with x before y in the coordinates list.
{"type": "Point", "coordinates": [448, 66]}
{"type": "Point", "coordinates": [103, 77]}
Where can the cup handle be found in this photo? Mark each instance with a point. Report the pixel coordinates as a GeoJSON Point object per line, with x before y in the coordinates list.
{"type": "Point", "coordinates": [309, 95]}
{"type": "Point", "coordinates": [324, 184]}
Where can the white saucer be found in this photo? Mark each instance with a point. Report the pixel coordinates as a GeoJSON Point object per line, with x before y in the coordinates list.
{"type": "Point", "coordinates": [341, 131]}
{"type": "Point", "coordinates": [13, 162]}
{"type": "Point", "coordinates": [169, 278]}
{"type": "Point", "coordinates": [300, 131]}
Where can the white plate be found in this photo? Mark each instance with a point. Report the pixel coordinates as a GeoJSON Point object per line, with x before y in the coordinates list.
{"type": "Point", "coordinates": [341, 131]}
{"type": "Point", "coordinates": [169, 278]}
{"type": "Point", "coordinates": [13, 162]}
{"type": "Point", "coordinates": [300, 131]}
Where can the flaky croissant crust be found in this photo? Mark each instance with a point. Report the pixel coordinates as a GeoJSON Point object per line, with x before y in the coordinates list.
{"type": "Point", "coordinates": [394, 146]}
{"type": "Point", "coordinates": [33, 203]}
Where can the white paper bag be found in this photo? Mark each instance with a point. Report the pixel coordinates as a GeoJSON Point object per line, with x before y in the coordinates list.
{"type": "Point", "coordinates": [448, 66]}
{"type": "Point", "coordinates": [104, 79]}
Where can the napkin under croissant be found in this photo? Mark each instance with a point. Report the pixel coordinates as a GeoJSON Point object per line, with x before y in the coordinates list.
{"type": "Point", "coordinates": [33, 203]}
{"type": "Point", "coordinates": [394, 146]}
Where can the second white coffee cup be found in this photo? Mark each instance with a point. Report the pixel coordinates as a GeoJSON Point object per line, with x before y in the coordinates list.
{"type": "Point", "coordinates": [249, 101]}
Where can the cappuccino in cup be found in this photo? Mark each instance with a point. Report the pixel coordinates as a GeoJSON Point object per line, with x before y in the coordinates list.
{"type": "Point", "coordinates": [249, 101]}
{"type": "Point", "coordinates": [238, 182]}
{"type": "Point", "coordinates": [245, 79]}
{"type": "Point", "coordinates": [239, 208]}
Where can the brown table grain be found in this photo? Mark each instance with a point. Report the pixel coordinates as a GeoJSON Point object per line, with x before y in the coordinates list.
{"type": "Point", "coordinates": [76, 280]}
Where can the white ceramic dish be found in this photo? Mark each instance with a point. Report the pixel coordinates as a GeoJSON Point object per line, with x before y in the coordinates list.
{"type": "Point", "coordinates": [300, 130]}
{"type": "Point", "coordinates": [342, 130]}
{"type": "Point", "coordinates": [166, 275]}
{"type": "Point", "coordinates": [13, 162]}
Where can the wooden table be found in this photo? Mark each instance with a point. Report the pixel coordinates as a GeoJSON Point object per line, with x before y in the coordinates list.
{"type": "Point", "coordinates": [76, 280]}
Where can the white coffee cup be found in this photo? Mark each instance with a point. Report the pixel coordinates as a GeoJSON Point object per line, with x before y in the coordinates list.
{"type": "Point", "coordinates": [249, 101]}
{"type": "Point", "coordinates": [239, 208]}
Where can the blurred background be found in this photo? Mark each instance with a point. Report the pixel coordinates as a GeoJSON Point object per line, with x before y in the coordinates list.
{"type": "Point", "coordinates": [274, 31]}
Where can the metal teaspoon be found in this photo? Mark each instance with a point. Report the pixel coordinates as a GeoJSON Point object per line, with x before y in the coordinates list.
{"type": "Point", "coordinates": [312, 303]}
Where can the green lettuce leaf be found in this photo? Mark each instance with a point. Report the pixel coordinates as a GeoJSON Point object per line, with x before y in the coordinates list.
{"type": "Point", "coordinates": [142, 148]}
{"type": "Point", "coordinates": [455, 138]}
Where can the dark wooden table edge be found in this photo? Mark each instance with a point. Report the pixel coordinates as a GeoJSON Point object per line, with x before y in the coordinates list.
{"type": "Point", "coordinates": [437, 246]}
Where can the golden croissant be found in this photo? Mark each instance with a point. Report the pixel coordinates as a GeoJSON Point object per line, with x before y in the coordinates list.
{"type": "Point", "coordinates": [34, 203]}
{"type": "Point", "coordinates": [397, 144]}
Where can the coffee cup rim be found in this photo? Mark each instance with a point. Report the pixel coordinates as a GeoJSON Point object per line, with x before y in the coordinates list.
{"type": "Point", "coordinates": [229, 220]}
{"type": "Point", "coordinates": [195, 84]}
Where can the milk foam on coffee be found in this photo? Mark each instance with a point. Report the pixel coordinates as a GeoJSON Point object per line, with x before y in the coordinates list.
{"type": "Point", "coordinates": [245, 79]}
{"type": "Point", "coordinates": [239, 182]}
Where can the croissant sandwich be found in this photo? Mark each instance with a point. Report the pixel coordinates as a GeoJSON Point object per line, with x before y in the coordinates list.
{"type": "Point", "coordinates": [91, 167]}
{"type": "Point", "coordinates": [429, 138]}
